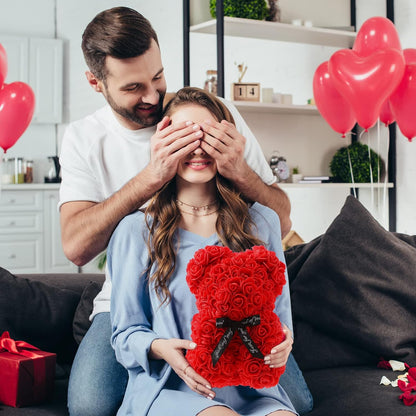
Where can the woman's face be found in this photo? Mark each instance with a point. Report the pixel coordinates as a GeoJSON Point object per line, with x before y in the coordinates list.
{"type": "Point", "coordinates": [197, 167]}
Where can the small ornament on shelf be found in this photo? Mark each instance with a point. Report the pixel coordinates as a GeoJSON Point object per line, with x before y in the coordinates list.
{"type": "Point", "coordinates": [211, 82]}
{"type": "Point", "coordinates": [279, 167]}
{"type": "Point", "coordinates": [296, 175]}
{"type": "Point", "coordinates": [244, 91]}
{"type": "Point", "coordinates": [274, 11]}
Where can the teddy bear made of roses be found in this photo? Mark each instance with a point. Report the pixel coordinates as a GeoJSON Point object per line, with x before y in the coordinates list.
{"type": "Point", "coordinates": [235, 326]}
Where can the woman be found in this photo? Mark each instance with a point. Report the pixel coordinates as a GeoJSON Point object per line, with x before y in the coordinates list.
{"type": "Point", "coordinates": [152, 306]}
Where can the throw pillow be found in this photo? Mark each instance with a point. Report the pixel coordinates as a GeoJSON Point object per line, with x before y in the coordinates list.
{"type": "Point", "coordinates": [38, 313]}
{"type": "Point", "coordinates": [81, 321]}
{"type": "Point", "coordinates": [354, 288]}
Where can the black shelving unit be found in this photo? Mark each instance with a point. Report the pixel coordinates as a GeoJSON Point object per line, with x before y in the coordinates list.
{"type": "Point", "coordinates": [220, 88]}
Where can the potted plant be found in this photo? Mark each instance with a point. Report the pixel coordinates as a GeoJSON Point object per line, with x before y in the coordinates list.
{"type": "Point", "coordinates": [360, 158]}
{"type": "Point", "coordinates": [254, 9]}
{"type": "Point", "coordinates": [296, 176]}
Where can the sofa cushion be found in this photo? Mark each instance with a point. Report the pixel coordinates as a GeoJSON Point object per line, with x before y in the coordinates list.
{"type": "Point", "coordinates": [38, 313]}
{"type": "Point", "coordinates": [82, 321]}
{"type": "Point", "coordinates": [353, 293]}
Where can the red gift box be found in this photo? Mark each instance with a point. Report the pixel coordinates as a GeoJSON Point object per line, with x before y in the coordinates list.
{"type": "Point", "coordinates": [26, 373]}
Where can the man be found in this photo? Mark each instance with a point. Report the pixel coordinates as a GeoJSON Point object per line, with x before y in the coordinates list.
{"type": "Point", "coordinates": [115, 159]}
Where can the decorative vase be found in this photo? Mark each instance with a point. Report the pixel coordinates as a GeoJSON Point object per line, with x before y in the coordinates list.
{"type": "Point", "coordinates": [274, 11]}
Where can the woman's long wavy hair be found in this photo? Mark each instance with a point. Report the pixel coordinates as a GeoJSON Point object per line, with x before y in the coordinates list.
{"type": "Point", "coordinates": [233, 224]}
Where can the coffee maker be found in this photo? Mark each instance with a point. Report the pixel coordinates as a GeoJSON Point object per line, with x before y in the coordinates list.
{"type": "Point", "coordinates": [54, 170]}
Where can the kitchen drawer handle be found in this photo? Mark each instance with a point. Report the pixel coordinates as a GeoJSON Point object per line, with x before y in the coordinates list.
{"type": "Point", "coordinates": [12, 223]}
{"type": "Point", "coordinates": [12, 201]}
{"type": "Point", "coordinates": [12, 256]}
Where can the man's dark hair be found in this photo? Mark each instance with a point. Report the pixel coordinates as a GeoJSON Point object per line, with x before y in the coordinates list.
{"type": "Point", "coordinates": [119, 32]}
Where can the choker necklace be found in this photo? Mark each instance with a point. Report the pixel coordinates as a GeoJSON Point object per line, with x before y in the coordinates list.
{"type": "Point", "coordinates": [198, 211]}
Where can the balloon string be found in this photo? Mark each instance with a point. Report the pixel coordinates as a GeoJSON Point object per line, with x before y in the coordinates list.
{"type": "Point", "coordinates": [371, 170]}
{"type": "Point", "coordinates": [1, 171]}
{"type": "Point", "coordinates": [378, 161]}
{"type": "Point", "coordinates": [385, 182]}
{"type": "Point", "coordinates": [352, 174]}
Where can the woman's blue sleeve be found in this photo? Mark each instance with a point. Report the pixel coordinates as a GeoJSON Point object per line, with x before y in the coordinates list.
{"type": "Point", "coordinates": [131, 317]}
{"type": "Point", "coordinates": [270, 232]}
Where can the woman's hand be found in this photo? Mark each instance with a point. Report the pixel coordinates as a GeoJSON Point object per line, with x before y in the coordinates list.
{"type": "Point", "coordinates": [280, 353]}
{"type": "Point", "coordinates": [172, 351]}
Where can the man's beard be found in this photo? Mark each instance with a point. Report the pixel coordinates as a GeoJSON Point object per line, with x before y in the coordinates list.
{"type": "Point", "coordinates": [132, 115]}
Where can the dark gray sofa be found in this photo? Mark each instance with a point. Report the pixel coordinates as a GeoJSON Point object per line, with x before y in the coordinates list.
{"type": "Point", "coordinates": [353, 299]}
{"type": "Point", "coordinates": [51, 312]}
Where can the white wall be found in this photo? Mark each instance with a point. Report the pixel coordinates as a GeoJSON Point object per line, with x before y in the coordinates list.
{"type": "Point", "coordinates": [284, 67]}
{"type": "Point", "coordinates": [405, 15]}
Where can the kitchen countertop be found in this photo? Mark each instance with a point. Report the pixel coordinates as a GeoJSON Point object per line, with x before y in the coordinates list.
{"type": "Point", "coordinates": [30, 186]}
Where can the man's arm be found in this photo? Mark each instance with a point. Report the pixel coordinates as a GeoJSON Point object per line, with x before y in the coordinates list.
{"type": "Point", "coordinates": [86, 226]}
{"type": "Point", "coordinates": [226, 145]}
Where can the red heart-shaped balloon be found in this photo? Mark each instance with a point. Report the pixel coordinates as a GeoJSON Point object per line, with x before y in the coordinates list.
{"type": "Point", "coordinates": [3, 65]}
{"type": "Point", "coordinates": [403, 103]}
{"type": "Point", "coordinates": [17, 103]}
{"type": "Point", "coordinates": [376, 33]}
{"type": "Point", "coordinates": [409, 56]}
{"type": "Point", "coordinates": [386, 113]}
{"type": "Point", "coordinates": [334, 108]}
{"type": "Point", "coordinates": [366, 82]}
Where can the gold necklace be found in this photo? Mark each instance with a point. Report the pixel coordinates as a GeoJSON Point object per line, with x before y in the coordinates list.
{"type": "Point", "coordinates": [198, 215]}
{"type": "Point", "coordinates": [196, 208]}
{"type": "Point", "coordinates": [197, 211]}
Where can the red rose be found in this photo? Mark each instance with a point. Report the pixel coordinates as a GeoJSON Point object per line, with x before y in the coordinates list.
{"type": "Point", "coordinates": [223, 298]}
{"type": "Point", "coordinates": [269, 333]}
{"type": "Point", "coordinates": [200, 360]}
{"type": "Point", "coordinates": [217, 271]}
{"type": "Point", "coordinates": [258, 301]}
{"type": "Point", "coordinates": [272, 261]}
{"type": "Point", "coordinates": [260, 253]}
{"type": "Point", "coordinates": [269, 378]}
{"type": "Point", "coordinates": [246, 272]}
{"type": "Point", "coordinates": [260, 272]}
{"type": "Point", "coordinates": [232, 283]}
{"type": "Point", "coordinates": [195, 272]}
{"type": "Point", "coordinates": [249, 286]}
{"type": "Point", "coordinates": [240, 259]}
{"type": "Point", "coordinates": [207, 333]}
{"type": "Point", "coordinates": [252, 367]}
{"type": "Point", "coordinates": [239, 307]}
{"type": "Point", "coordinates": [201, 257]}
{"type": "Point", "coordinates": [216, 252]}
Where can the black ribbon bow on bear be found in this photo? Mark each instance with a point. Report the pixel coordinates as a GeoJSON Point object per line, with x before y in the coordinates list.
{"type": "Point", "coordinates": [239, 326]}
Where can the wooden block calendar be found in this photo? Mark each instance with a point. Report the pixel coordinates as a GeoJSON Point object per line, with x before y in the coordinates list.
{"type": "Point", "coordinates": [245, 91]}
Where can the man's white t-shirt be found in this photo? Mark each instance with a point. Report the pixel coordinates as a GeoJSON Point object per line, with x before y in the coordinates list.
{"type": "Point", "coordinates": [99, 155]}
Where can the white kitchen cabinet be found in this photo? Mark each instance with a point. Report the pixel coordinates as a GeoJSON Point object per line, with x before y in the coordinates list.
{"type": "Point", "coordinates": [39, 63]}
{"type": "Point", "coordinates": [55, 259]}
{"type": "Point", "coordinates": [30, 238]}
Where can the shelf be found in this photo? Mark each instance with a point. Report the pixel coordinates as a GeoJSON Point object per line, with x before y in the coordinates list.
{"type": "Point", "coordinates": [337, 185]}
{"type": "Point", "coordinates": [275, 108]}
{"type": "Point", "coordinates": [248, 28]}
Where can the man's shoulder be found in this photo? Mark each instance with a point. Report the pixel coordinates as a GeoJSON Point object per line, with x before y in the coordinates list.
{"type": "Point", "coordinates": [100, 117]}
{"type": "Point", "coordinates": [89, 130]}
